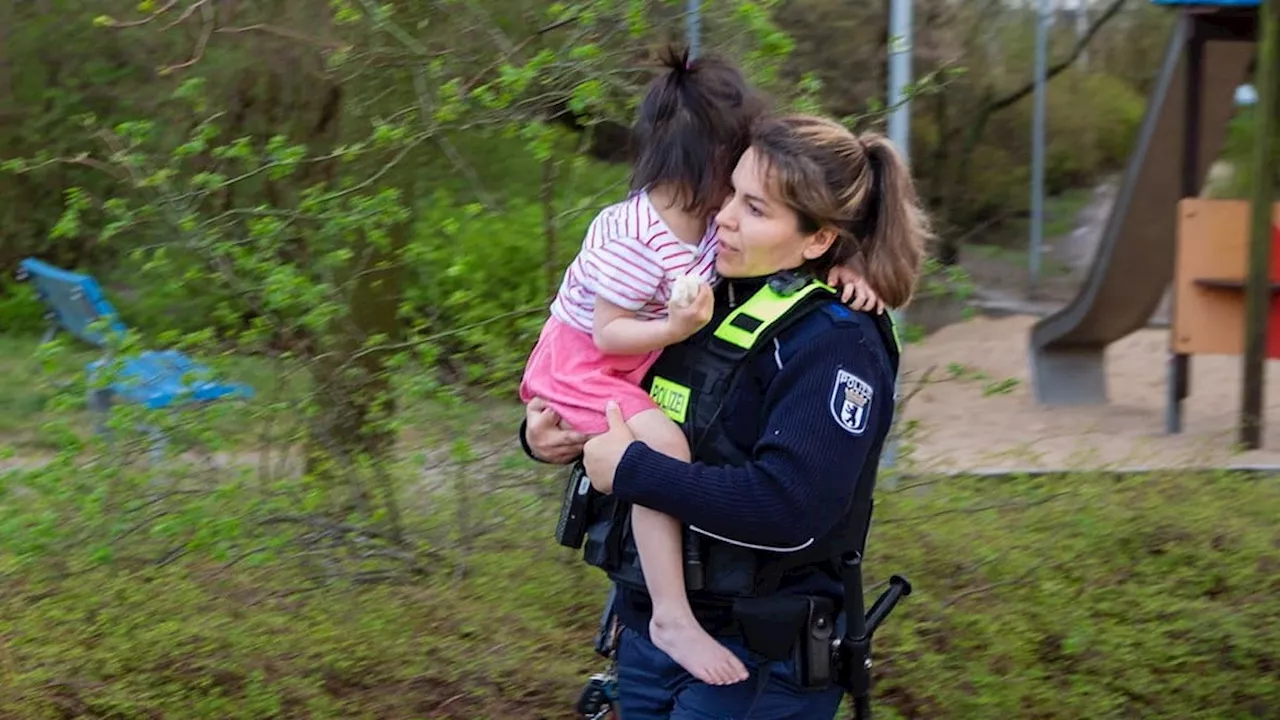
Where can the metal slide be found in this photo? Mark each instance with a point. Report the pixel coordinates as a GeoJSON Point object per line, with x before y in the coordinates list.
{"type": "Point", "coordinates": [1133, 265]}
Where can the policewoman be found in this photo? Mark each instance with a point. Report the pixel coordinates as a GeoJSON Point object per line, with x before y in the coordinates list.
{"type": "Point", "coordinates": [787, 397]}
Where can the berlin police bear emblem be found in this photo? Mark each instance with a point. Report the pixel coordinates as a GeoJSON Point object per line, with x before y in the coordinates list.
{"type": "Point", "coordinates": [851, 402]}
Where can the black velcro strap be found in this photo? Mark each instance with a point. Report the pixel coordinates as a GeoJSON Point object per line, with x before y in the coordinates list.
{"type": "Point", "coordinates": [746, 322]}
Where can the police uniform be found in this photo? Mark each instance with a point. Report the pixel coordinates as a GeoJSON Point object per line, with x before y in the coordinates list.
{"type": "Point", "coordinates": [786, 396]}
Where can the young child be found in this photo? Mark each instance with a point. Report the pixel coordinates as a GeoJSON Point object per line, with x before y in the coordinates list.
{"type": "Point", "coordinates": [642, 282]}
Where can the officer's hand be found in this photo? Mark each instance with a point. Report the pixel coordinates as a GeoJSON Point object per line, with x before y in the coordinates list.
{"type": "Point", "coordinates": [855, 286]}
{"type": "Point", "coordinates": [547, 438]}
{"type": "Point", "coordinates": [603, 452]}
{"type": "Point", "coordinates": [685, 319]}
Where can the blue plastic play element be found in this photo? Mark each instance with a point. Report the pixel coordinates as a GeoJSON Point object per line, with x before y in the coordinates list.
{"type": "Point", "coordinates": [155, 379]}
{"type": "Point", "coordinates": [75, 301]}
{"type": "Point", "coordinates": [160, 379]}
{"type": "Point", "coordinates": [1209, 3]}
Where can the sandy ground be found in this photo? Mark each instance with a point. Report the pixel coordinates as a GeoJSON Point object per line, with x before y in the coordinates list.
{"type": "Point", "coordinates": [958, 428]}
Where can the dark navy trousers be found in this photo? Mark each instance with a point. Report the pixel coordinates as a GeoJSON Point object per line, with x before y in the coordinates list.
{"type": "Point", "coordinates": [651, 686]}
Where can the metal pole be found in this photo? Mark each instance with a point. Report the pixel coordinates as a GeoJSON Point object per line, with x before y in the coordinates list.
{"type": "Point", "coordinates": [1037, 144]}
{"type": "Point", "coordinates": [1180, 363]}
{"type": "Point", "coordinates": [899, 129]}
{"type": "Point", "coordinates": [1258, 287]}
{"type": "Point", "coordinates": [1082, 27]}
{"type": "Point", "coordinates": [693, 26]}
{"type": "Point", "coordinates": [899, 125]}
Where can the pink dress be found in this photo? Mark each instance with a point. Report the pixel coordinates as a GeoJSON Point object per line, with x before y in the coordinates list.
{"type": "Point", "coordinates": [630, 258]}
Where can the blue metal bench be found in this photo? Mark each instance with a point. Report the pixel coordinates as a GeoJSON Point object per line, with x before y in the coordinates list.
{"type": "Point", "coordinates": [153, 379]}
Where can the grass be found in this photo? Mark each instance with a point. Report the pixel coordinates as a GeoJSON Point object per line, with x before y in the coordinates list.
{"type": "Point", "coordinates": [37, 388]}
{"type": "Point", "coordinates": [1060, 211]}
{"type": "Point", "coordinates": [201, 641]}
{"type": "Point", "coordinates": [24, 390]}
{"type": "Point", "coordinates": [1083, 596]}
{"type": "Point", "coordinates": [1078, 597]}
{"type": "Point", "coordinates": [42, 398]}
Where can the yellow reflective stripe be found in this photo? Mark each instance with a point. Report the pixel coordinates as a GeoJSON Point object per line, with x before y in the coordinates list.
{"type": "Point", "coordinates": [765, 307]}
{"type": "Point", "coordinates": [671, 397]}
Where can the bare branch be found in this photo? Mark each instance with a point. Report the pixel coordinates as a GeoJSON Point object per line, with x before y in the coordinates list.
{"type": "Point", "coordinates": [469, 85]}
{"type": "Point", "coordinates": [281, 32]}
{"type": "Point", "coordinates": [202, 5]}
{"type": "Point", "coordinates": [1081, 44]}
{"type": "Point", "coordinates": [81, 159]}
{"type": "Point", "coordinates": [149, 19]}
{"type": "Point", "coordinates": [425, 106]}
{"type": "Point", "coordinates": [206, 31]}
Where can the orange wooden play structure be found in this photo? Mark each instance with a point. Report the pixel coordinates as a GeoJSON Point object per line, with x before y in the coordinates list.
{"type": "Point", "coordinates": [1210, 268]}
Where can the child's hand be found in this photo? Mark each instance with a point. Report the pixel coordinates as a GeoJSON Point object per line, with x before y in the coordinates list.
{"type": "Point", "coordinates": [685, 319]}
{"type": "Point", "coordinates": [864, 298]}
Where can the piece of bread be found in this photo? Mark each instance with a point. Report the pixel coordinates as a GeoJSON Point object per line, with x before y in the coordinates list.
{"type": "Point", "coordinates": [684, 291]}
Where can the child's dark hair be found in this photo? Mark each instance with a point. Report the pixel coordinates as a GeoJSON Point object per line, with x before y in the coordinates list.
{"type": "Point", "coordinates": [693, 124]}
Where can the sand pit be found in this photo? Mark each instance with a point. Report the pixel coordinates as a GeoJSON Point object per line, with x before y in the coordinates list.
{"type": "Point", "coordinates": [958, 429]}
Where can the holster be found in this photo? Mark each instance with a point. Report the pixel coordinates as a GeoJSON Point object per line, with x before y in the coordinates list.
{"type": "Point", "coordinates": [773, 626]}
{"type": "Point", "coordinates": [800, 628]}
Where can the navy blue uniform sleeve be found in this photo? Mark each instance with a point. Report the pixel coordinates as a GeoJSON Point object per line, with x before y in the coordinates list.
{"type": "Point", "coordinates": [824, 411]}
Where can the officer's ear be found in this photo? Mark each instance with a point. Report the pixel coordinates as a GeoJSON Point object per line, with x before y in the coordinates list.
{"type": "Point", "coordinates": [817, 244]}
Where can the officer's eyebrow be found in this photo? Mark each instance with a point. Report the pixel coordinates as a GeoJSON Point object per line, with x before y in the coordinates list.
{"type": "Point", "coordinates": [752, 196]}
{"type": "Point", "coordinates": [757, 195]}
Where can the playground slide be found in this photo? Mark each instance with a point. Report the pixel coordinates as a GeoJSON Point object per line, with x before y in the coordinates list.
{"type": "Point", "coordinates": [1133, 265]}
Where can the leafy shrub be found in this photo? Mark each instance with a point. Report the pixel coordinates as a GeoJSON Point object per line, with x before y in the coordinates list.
{"type": "Point", "coordinates": [1093, 121]}
{"type": "Point", "coordinates": [1237, 156]}
{"type": "Point", "coordinates": [485, 279]}
{"type": "Point", "coordinates": [20, 310]}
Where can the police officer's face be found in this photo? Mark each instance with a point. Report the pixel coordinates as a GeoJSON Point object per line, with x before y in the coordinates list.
{"type": "Point", "coordinates": [759, 234]}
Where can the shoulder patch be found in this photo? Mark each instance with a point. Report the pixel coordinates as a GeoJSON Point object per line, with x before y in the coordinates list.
{"type": "Point", "coordinates": [817, 324]}
{"type": "Point", "coordinates": [851, 402]}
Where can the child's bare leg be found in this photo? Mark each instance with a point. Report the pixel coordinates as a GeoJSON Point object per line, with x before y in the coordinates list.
{"type": "Point", "coordinates": [658, 539]}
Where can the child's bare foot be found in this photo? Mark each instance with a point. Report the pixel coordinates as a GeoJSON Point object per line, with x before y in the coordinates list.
{"type": "Point", "coordinates": [694, 650]}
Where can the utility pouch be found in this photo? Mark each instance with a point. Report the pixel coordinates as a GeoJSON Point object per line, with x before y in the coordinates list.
{"type": "Point", "coordinates": [814, 665]}
{"type": "Point", "coordinates": [772, 626]}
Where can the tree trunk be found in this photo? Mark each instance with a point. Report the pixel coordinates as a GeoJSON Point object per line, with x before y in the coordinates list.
{"type": "Point", "coordinates": [354, 394]}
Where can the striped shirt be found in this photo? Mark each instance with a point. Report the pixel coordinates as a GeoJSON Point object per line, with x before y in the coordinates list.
{"type": "Point", "coordinates": [632, 259]}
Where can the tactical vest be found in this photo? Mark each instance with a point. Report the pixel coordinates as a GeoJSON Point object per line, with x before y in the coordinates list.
{"type": "Point", "coordinates": [691, 382]}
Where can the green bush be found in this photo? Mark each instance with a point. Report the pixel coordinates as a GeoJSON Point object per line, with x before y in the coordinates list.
{"type": "Point", "coordinates": [1237, 154]}
{"type": "Point", "coordinates": [999, 182]}
{"type": "Point", "coordinates": [487, 278]}
{"type": "Point", "coordinates": [1092, 120]}
{"type": "Point", "coordinates": [484, 280]}
{"type": "Point", "coordinates": [20, 310]}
